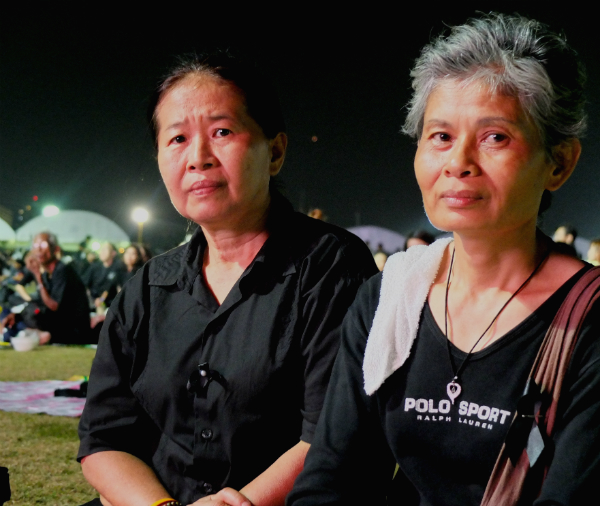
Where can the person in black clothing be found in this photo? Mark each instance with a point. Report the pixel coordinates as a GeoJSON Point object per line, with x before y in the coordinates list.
{"type": "Point", "coordinates": [564, 237]}
{"type": "Point", "coordinates": [12, 288]}
{"type": "Point", "coordinates": [213, 360]}
{"type": "Point", "coordinates": [104, 279]}
{"type": "Point", "coordinates": [80, 258]}
{"type": "Point", "coordinates": [436, 352]}
{"type": "Point", "coordinates": [62, 315]}
{"type": "Point", "coordinates": [132, 261]}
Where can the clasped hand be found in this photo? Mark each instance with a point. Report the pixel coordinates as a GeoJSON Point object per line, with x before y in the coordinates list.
{"type": "Point", "coordinates": [225, 497]}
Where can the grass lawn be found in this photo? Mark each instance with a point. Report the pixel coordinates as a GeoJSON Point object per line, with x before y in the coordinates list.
{"type": "Point", "coordinates": [39, 450]}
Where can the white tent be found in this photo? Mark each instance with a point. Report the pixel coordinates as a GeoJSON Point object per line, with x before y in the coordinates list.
{"type": "Point", "coordinates": [71, 227]}
{"type": "Point", "coordinates": [374, 236]}
{"type": "Point", "coordinates": [6, 232]}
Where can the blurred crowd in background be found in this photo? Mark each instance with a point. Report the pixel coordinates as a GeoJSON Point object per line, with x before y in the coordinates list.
{"type": "Point", "coordinates": [101, 274]}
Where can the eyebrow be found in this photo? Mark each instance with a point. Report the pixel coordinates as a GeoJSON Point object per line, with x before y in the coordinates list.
{"type": "Point", "coordinates": [483, 121]}
{"type": "Point", "coordinates": [219, 117]}
{"type": "Point", "coordinates": [495, 119]}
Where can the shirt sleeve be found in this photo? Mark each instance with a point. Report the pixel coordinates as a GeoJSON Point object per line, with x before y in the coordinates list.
{"type": "Point", "coordinates": [349, 461]}
{"type": "Point", "coordinates": [112, 418]}
{"type": "Point", "coordinates": [574, 473]}
{"type": "Point", "coordinates": [327, 295]}
{"type": "Point", "coordinates": [27, 278]}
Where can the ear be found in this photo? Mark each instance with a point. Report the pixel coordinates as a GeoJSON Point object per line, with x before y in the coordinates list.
{"type": "Point", "coordinates": [277, 150]}
{"type": "Point", "coordinates": [565, 156]}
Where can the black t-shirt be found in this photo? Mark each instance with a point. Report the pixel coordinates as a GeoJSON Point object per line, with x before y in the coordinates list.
{"type": "Point", "coordinates": [70, 323]}
{"type": "Point", "coordinates": [270, 346]}
{"type": "Point", "coordinates": [100, 279]}
{"type": "Point", "coordinates": [446, 452]}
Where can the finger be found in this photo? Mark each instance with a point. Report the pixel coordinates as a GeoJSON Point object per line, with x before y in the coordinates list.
{"type": "Point", "coordinates": [209, 500]}
{"type": "Point", "coordinates": [233, 498]}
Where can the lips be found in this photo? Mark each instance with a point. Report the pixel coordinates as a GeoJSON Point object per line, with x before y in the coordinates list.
{"type": "Point", "coordinates": [461, 198]}
{"type": "Point", "coordinates": [205, 187]}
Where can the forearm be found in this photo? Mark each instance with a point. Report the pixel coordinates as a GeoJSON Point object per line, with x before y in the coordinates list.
{"type": "Point", "coordinates": [122, 479]}
{"type": "Point", "coordinates": [22, 292]}
{"type": "Point", "coordinates": [272, 486]}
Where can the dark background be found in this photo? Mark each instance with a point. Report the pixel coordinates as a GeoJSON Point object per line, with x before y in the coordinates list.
{"type": "Point", "coordinates": [74, 86]}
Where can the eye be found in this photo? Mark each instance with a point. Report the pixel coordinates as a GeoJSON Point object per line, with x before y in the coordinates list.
{"type": "Point", "coordinates": [222, 132]}
{"type": "Point", "coordinates": [441, 137]}
{"type": "Point", "coordinates": [496, 138]}
{"type": "Point", "coordinates": [179, 139]}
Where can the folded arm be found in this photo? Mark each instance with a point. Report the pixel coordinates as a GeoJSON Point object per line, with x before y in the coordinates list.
{"type": "Point", "coordinates": [122, 479]}
{"type": "Point", "coordinates": [270, 488]}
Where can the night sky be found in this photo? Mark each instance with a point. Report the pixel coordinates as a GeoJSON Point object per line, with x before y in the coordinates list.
{"type": "Point", "coordinates": [74, 86]}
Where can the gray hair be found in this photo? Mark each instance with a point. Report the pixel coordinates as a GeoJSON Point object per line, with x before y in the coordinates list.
{"type": "Point", "coordinates": [515, 56]}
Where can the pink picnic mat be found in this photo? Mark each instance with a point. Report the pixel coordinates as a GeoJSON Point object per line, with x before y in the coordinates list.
{"type": "Point", "coordinates": [38, 397]}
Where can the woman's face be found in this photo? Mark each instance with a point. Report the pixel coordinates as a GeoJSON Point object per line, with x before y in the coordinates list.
{"type": "Point", "coordinates": [130, 257]}
{"type": "Point", "coordinates": [214, 158]}
{"type": "Point", "coordinates": [480, 163]}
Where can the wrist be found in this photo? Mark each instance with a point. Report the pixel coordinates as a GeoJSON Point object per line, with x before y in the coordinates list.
{"type": "Point", "coordinates": [167, 501]}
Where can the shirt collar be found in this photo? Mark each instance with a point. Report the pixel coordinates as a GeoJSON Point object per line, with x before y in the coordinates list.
{"type": "Point", "coordinates": [181, 265]}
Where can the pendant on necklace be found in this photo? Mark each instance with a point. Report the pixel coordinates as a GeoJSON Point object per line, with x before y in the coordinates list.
{"type": "Point", "coordinates": [453, 389]}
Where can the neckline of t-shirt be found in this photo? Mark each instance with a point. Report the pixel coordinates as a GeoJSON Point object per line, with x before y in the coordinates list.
{"type": "Point", "coordinates": [554, 300]}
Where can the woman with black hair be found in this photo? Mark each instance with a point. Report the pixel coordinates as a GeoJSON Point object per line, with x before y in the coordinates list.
{"type": "Point", "coordinates": [214, 358]}
{"type": "Point", "coordinates": [132, 260]}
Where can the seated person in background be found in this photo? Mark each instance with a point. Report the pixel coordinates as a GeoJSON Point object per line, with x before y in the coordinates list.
{"type": "Point", "coordinates": [12, 291]}
{"type": "Point", "coordinates": [380, 257]}
{"type": "Point", "coordinates": [62, 312]}
{"type": "Point", "coordinates": [81, 262]}
{"type": "Point", "coordinates": [132, 260]}
{"type": "Point", "coordinates": [91, 261]}
{"type": "Point", "coordinates": [145, 252]}
{"type": "Point", "coordinates": [104, 278]}
{"type": "Point", "coordinates": [13, 295]}
{"type": "Point", "coordinates": [564, 237]}
{"type": "Point", "coordinates": [419, 237]}
{"type": "Point", "coordinates": [593, 254]}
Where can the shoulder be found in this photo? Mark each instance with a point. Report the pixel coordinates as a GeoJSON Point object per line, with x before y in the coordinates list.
{"type": "Point", "coordinates": [166, 268]}
{"type": "Point", "coordinates": [314, 239]}
{"type": "Point", "coordinates": [587, 349]}
{"type": "Point", "coordinates": [366, 302]}
{"type": "Point", "coordinates": [559, 269]}
{"type": "Point", "coordinates": [62, 270]}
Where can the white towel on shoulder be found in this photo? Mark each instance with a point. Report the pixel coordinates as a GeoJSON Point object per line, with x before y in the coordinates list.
{"type": "Point", "coordinates": [407, 278]}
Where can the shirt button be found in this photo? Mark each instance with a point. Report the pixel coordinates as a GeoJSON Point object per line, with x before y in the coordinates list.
{"type": "Point", "coordinates": [207, 487]}
{"type": "Point", "coordinates": [206, 434]}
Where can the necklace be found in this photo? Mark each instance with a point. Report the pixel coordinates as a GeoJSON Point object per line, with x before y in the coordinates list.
{"type": "Point", "coordinates": [453, 388]}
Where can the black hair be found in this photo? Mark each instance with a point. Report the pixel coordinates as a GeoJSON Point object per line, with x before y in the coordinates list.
{"type": "Point", "coordinates": [252, 81]}
{"type": "Point", "coordinates": [423, 235]}
{"type": "Point", "coordinates": [569, 230]}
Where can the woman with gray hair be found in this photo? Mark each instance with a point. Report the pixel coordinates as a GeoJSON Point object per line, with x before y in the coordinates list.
{"type": "Point", "coordinates": [474, 363]}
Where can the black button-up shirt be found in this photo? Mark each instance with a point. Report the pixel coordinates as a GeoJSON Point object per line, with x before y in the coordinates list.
{"type": "Point", "coordinates": [258, 363]}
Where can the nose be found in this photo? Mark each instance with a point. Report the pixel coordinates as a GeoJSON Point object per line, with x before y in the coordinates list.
{"type": "Point", "coordinates": [200, 155]}
{"type": "Point", "coordinates": [462, 160]}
